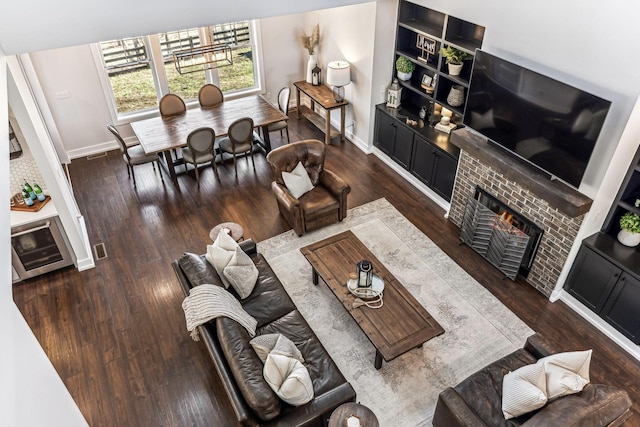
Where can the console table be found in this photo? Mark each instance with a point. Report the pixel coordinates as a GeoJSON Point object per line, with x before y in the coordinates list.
{"type": "Point", "coordinates": [323, 96]}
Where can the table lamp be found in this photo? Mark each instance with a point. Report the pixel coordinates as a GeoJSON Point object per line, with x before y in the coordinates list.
{"type": "Point", "coordinates": [338, 76]}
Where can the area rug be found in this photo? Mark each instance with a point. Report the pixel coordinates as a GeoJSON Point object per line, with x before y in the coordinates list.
{"type": "Point", "coordinates": [478, 327]}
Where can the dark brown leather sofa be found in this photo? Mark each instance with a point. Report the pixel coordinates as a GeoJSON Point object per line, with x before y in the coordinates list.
{"type": "Point", "coordinates": [238, 365]}
{"type": "Point", "coordinates": [322, 206]}
{"type": "Point", "coordinates": [477, 401]}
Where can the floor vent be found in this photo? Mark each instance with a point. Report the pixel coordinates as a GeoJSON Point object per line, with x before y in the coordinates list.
{"type": "Point", "coordinates": [100, 251]}
{"type": "Point", "coordinates": [97, 156]}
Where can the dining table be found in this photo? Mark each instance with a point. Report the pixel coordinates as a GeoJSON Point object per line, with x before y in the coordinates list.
{"type": "Point", "coordinates": [163, 134]}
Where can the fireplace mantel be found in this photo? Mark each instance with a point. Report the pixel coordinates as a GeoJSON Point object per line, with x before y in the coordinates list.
{"type": "Point", "coordinates": [557, 194]}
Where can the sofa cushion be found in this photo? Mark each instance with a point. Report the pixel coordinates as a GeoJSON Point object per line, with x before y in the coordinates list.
{"type": "Point", "coordinates": [288, 378]}
{"type": "Point", "coordinates": [318, 203]}
{"type": "Point", "coordinates": [268, 288]}
{"type": "Point", "coordinates": [595, 406]}
{"type": "Point", "coordinates": [324, 373]}
{"type": "Point", "coordinates": [246, 369]}
{"type": "Point", "coordinates": [523, 390]}
{"type": "Point", "coordinates": [482, 391]}
{"type": "Point", "coordinates": [277, 344]}
{"type": "Point", "coordinates": [198, 270]}
{"type": "Point", "coordinates": [297, 181]}
{"type": "Point", "coordinates": [220, 253]}
{"type": "Point", "coordinates": [566, 373]}
{"type": "Point", "coordinates": [241, 273]}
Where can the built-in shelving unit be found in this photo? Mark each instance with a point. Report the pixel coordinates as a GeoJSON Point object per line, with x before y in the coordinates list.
{"type": "Point", "coordinates": [605, 276]}
{"type": "Point", "coordinates": [415, 22]}
{"type": "Point", "coordinates": [409, 140]}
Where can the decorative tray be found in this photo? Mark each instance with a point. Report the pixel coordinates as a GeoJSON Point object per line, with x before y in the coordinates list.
{"type": "Point", "coordinates": [377, 286]}
{"type": "Point", "coordinates": [37, 205]}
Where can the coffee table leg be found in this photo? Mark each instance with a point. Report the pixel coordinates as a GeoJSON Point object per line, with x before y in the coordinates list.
{"type": "Point", "coordinates": [378, 363]}
{"type": "Point", "coordinates": [314, 276]}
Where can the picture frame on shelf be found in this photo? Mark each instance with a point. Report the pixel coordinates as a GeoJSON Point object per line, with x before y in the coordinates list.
{"type": "Point", "coordinates": [427, 83]}
{"type": "Point", "coordinates": [426, 45]}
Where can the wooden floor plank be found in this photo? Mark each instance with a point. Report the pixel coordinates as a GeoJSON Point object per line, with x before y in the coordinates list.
{"type": "Point", "coordinates": [117, 336]}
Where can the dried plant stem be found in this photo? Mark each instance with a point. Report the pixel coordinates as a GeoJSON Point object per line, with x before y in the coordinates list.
{"type": "Point", "coordinates": [309, 42]}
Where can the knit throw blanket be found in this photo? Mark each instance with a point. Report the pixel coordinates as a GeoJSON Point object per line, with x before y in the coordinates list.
{"type": "Point", "coordinates": [206, 302]}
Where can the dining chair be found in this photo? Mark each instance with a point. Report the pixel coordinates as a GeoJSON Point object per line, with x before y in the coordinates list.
{"type": "Point", "coordinates": [171, 105]}
{"type": "Point", "coordinates": [239, 140]}
{"type": "Point", "coordinates": [200, 149]}
{"type": "Point", "coordinates": [133, 155]}
{"type": "Point", "coordinates": [283, 104]}
{"type": "Point", "coordinates": [210, 95]}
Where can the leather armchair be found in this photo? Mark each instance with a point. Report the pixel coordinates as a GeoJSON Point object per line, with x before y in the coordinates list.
{"type": "Point", "coordinates": [325, 204]}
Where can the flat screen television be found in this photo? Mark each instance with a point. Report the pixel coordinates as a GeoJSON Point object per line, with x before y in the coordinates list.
{"type": "Point", "coordinates": [550, 124]}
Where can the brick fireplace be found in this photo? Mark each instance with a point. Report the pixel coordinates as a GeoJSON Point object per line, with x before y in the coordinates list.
{"type": "Point", "coordinates": [553, 206]}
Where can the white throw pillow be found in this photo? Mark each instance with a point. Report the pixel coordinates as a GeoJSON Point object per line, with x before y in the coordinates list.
{"type": "Point", "coordinates": [220, 253]}
{"type": "Point", "coordinates": [241, 273]}
{"type": "Point", "coordinates": [297, 181]}
{"type": "Point", "coordinates": [288, 378]}
{"type": "Point", "coordinates": [566, 373]}
{"type": "Point", "coordinates": [277, 344]}
{"type": "Point", "coordinates": [523, 390]}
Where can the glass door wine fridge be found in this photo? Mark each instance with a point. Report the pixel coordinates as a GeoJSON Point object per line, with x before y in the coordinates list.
{"type": "Point", "coordinates": [39, 247]}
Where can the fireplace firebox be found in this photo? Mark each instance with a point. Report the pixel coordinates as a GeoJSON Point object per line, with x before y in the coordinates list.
{"type": "Point", "coordinates": [500, 233]}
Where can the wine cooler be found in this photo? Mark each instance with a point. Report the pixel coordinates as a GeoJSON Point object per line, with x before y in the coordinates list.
{"type": "Point", "coordinates": [39, 247]}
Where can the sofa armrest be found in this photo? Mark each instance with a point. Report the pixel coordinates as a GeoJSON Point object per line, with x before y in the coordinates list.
{"type": "Point", "coordinates": [538, 346]}
{"type": "Point", "coordinates": [338, 188]}
{"type": "Point", "coordinates": [334, 183]}
{"type": "Point", "coordinates": [452, 411]}
{"type": "Point", "coordinates": [249, 246]}
{"type": "Point", "coordinates": [284, 197]}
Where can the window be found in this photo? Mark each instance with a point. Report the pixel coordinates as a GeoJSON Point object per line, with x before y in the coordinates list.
{"type": "Point", "coordinates": [140, 70]}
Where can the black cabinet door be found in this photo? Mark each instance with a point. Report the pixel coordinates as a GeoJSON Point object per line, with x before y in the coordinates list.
{"type": "Point", "coordinates": [592, 279]}
{"type": "Point", "coordinates": [424, 155]}
{"type": "Point", "coordinates": [385, 133]}
{"type": "Point", "coordinates": [402, 150]}
{"type": "Point", "coordinates": [622, 309]}
{"type": "Point", "coordinates": [444, 174]}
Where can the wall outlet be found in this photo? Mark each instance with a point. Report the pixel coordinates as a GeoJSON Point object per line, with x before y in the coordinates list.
{"type": "Point", "coordinates": [63, 94]}
{"type": "Point", "coordinates": [383, 88]}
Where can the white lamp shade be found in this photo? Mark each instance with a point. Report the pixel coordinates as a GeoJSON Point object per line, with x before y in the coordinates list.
{"type": "Point", "coordinates": [338, 73]}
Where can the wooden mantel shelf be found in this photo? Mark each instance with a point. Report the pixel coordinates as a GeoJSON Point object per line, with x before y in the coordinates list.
{"type": "Point", "coordinates": [559, 195]}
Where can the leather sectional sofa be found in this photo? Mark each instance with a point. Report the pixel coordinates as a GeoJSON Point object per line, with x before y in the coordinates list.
{"type": "Point", "coordinates": [477, 401]}
{"type": "Point", "coordinates": [239, 367]}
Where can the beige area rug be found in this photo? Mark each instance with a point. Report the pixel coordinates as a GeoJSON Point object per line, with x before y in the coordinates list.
{"type": "Point", "coordinates": [478, 328]}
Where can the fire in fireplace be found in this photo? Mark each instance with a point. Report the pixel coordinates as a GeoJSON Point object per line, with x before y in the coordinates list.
{"type": "Point", "coordinates": [518, 221]}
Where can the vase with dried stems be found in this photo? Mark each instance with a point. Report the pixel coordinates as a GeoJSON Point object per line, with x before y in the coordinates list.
{"type": "Point", "coordinates": [309, 43]}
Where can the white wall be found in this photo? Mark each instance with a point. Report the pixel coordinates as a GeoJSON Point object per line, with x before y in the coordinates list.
{"type": "Point", "coordinates": [82, 118]}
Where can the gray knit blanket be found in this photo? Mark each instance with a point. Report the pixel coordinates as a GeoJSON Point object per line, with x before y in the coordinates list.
{"type": "Point", "coordinates": [206, 302]}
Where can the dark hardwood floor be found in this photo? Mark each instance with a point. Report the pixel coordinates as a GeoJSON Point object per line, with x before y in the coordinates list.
{"type": "Point", "coordinates": [117, 335]}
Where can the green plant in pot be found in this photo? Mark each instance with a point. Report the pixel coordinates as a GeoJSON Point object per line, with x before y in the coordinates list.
{"type": "Point", "coordinates": [629, 234]}
{"type": "Point", "coordinates": [455, 59]}
{"type": "Point", "coordinates": [405, 68]}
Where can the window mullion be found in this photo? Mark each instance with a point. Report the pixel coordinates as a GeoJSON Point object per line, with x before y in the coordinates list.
{"type": "Point", "coordinates": [157, 65]}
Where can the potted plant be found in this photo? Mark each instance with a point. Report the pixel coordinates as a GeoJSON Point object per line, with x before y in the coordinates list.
{"type": "Point", "coordinates": [629, 234]}
{"type": "Point", "coordinates": [454, 58]}
{"type": "Point", "coordinates": [405, 68]}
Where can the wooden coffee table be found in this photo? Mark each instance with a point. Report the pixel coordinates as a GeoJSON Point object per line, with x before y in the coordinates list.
{"type": "Point", "coordinates": [400, 325]}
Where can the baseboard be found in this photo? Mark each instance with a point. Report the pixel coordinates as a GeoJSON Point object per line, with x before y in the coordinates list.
{"type": "Point", "coordinates": [97, 148]}
{"type": "Point", "coordinates": [413, 180]}
{"type": "Point", "coordinates": [601, 325]}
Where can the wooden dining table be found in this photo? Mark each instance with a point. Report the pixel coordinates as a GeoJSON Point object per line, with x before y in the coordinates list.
{"type": "Point", "coordinates": [162, 134]}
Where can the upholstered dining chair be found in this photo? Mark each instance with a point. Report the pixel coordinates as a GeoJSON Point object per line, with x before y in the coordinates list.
{"type": "Point", "coordinates": [200, 149]}
{"type": "Point", "coordinates": [171, 105]}
{"type": "Point", "coordinates": [134, 155]}
{"type": "Point", "coordinates": [325, 203]}
{"type": "Point", "coordinates": [239, 140]}
{"type": "Point", "coordinates": [283, 104]}
{"type": "Point", "coordinates": [210, 95]}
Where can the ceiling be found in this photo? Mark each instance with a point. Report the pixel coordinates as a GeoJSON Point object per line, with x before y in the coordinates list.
{"type": "Point", "coordinates": [30, 26]}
